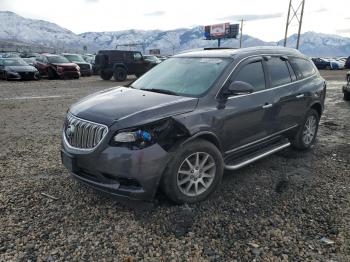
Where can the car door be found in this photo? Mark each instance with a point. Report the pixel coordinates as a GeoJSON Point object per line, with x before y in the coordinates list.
{"type": "Point", "coordinates": [289, 95]}
{"type": "Point", "coordinates": [139, 63]}
{"type": "Point", "coordinates": [246, 118]}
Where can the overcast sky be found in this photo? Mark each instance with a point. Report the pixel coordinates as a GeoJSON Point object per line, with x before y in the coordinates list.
{"type": "Point", "coordinates": [265, 18]}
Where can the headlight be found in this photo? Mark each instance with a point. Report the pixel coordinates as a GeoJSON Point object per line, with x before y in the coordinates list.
{"type": "Point", "coordinates": [164, 132]}
{"type": "Point", "coordinates": [129, 137]}
{"type": "Point", "coordinates": [77, 67]}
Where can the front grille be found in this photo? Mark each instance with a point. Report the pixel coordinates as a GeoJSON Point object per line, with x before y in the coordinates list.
{"type": "Point", "coordinates": [83, 134]}
{"type": "Point", "coordinates": [84, 66]}
{"type": "Point", "coordinates": [26, 75]}
{"type": "Point", "coordinates": [69, 69]}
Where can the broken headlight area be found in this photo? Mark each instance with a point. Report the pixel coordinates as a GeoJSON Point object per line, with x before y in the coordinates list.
{"type": "Point", "coordinates": [165, 133]}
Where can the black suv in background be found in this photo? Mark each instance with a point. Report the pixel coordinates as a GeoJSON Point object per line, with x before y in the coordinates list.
{"type": "Point", "coordinates": [120, 64]}
{"type": "Point", "coordinates": [192, 116]}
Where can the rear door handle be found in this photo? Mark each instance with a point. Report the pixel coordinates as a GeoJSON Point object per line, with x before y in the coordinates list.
{"type": "Point", "coordinates": [300, 96]}
{"type": "Point", "coordinates": [267, 106]}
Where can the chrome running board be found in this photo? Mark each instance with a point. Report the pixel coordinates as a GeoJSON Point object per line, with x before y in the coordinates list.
{"type": "Point", "coordinates": [234, 165]}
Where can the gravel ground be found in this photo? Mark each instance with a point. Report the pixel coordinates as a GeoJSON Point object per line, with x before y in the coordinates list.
{"type": "Point", "coordinates": [291, 206]}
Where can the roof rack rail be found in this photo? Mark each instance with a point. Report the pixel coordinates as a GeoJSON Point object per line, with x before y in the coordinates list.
{"type": "Point", "coordinates": [218, 48]}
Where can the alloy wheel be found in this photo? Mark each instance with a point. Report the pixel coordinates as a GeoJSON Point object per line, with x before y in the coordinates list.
{"type": "Point", "coordinates": [196, 174]}
{"type": "Point", "coordinates": [309, 130]}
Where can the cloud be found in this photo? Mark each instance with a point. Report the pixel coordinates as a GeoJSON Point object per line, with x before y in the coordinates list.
{"type": "Point", "coordinates": [250, 17]}
{"type": "Point", "coordinates": [91, 1]}
{"type": "Point", "coordinates": [321, 10]}
{"type": "Point", "coordinates": [156, 13]}
{"type": "Point", "coordinates": [342, 31]}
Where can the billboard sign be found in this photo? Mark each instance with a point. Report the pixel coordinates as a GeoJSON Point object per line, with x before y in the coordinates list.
{"type": "Point", "coordinates": [224, 30]}
{"type": "Point", "coordinates": [219, 29]}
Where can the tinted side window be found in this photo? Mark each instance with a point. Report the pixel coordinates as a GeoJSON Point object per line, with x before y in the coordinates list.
{"type": "Point", "coordinates": [278, 71]}
{"type": "Point", "coordinates": [253, 74]}
{"type": "Point", "coordinates": [137, 56]}
{"type": "Point", "coordinates": [303, 66]}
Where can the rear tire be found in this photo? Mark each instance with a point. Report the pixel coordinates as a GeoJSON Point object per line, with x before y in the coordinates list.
{"type": "Point", "coordinates": [346, 96]}
{"type": "Point", "coordinates": [120, 74]}
{"type": "Point", "coordinates": [307, 132]}
{"type": "Point", "coordinates": [106, 75]}
{"type": "Point", "coordinates": [194, 172]}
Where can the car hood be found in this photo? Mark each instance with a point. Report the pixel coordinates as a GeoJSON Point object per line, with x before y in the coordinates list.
{"type": "Point", "coordinates": [64, 64]}
{"type": "Point", "coordinates": [21, 68]}
{"type": "Point", "coordinates": [130, 107]}
{"type": "Point", "coordinates": [81, 63]}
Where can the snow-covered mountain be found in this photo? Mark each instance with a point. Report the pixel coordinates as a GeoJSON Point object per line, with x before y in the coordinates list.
{"type": "Point", "coordinates": [168, 42]}
{"type": "Point", "coordinates": [16, 28]}
{"type": "Point", "coordinates": [31, 32]}
{"type": "Point", "coordinates": [318, 44]}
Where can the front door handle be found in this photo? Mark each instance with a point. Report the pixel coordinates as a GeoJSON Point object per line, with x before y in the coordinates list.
{"type": "Point", "coordinates": [267, 106]}
{"type": "Point", "coordinates": [300, 96]}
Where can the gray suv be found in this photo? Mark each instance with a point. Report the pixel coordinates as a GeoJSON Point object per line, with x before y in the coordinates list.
{"type": "Point", "coordinates": [181, 124]}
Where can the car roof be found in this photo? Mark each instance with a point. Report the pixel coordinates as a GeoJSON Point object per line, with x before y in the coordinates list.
{"type": "Point", "coordinates": [230, 52]}
{"type": "Point", "coordinates": [69, 54]}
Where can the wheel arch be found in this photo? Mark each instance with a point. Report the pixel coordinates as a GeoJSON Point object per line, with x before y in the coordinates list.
{"type": "Point", "coordinates": [208, 136]}
{"type": "Point", "coordinates": [318, 107]}
{"type": "Point", "coordinates": [116, 65]}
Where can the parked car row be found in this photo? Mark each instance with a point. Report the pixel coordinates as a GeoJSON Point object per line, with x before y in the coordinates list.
{"type": "Point", "coordinates": [332, 63]}
{"type": "Point", "coordinates": [107, 63]}
{"type": "Point", "coordinates": [27, 66]}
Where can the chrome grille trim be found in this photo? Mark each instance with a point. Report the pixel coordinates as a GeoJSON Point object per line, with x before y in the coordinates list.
{"type": "Point", "coordinates": [86, 135]}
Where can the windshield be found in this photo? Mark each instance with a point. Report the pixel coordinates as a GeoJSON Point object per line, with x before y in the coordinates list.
{"type": "Point", "coordinates": [57, 59]}
{"type": "Point", "coordinates": [151, 58]}
{"type": "Point", "coordinates": [14, 62]}
{"type": "Point", "coordinates": [74, 58]}
{"type": "Point", "coordinates": [183, 76]}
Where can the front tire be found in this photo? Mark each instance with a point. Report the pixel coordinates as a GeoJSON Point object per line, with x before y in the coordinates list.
{"type": "Point", "coordinates": [307, 132]}
{"type": "Point", "coordinates": [120, 74]}
{"type": "Point", "coordinates": [194, 172]}
{"type": "Point", "coordinates": [51, 74]}
{"type": "Point", "coordinates": [346, 96]}
{"type": "Point", "coordinates": [106, 75]}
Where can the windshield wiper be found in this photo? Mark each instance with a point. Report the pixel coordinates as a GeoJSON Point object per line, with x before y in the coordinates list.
{"type": "Point", "coordinates": [163, 91]}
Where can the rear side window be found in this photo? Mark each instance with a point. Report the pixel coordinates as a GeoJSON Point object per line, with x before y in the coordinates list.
{"type": "Point", "coordinates": [278, 71]}
{"type": "Point", "coordinates": [253, 74]}
{"type": "Point", "coordinates": [303, 67]}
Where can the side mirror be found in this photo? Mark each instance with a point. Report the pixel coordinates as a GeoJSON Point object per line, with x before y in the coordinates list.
{"type": "Point", "coordinates": [239, 88]}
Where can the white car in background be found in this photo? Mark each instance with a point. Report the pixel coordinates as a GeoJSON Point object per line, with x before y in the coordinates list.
{"type": "Point", "coordinates": [335, 63]}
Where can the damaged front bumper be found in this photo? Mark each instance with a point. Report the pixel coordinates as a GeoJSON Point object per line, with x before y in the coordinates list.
{"type": "Point", "coordinates": [346, 88]}
{"type": "Point", "coordinates": [118, 171]}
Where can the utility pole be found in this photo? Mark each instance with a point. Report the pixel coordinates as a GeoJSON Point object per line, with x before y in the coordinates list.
{"type": "Point", "coordinates": [300, 22]}
{"type": "Point", "coordinates": [298, 16]}
{"type": "Point", "coordinates": [241, 34]}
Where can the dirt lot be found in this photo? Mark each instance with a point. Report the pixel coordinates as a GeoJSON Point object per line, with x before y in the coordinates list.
{"type": "Point", "coordinates": [291, 206]}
